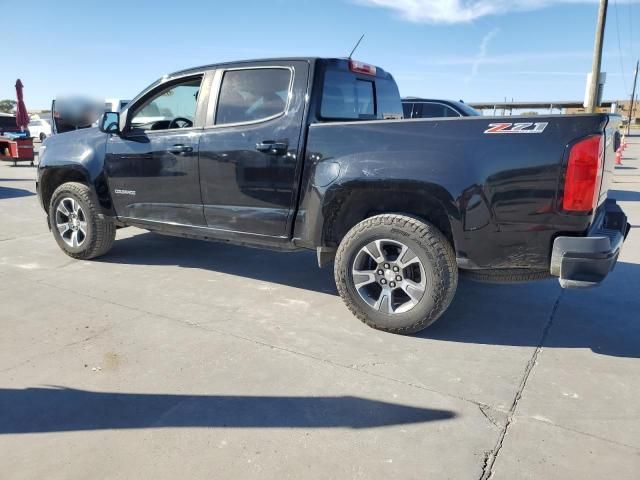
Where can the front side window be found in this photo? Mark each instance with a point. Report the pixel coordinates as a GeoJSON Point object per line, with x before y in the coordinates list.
{"type": "Point", "coordinates": [252, 95]}
{"type": "Point", "coordinates": [171, 107]}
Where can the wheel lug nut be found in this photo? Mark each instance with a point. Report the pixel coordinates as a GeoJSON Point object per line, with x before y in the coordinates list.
{"type": "Point", "coordinates": [380, 272]}
{"type": "Point", "coordinates": [392, 284]}
{"type": "Point", "coordinates": [396, 269]}
{"type": "Point", "coordinates": [383, 281]}
{"type": "Point", "coordinates": [386, 265]}
{"type": "Point", "coordinates": [398, 278]}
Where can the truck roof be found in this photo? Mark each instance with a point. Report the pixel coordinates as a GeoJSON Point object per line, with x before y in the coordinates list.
{"type": "Point", "coordinates": [379, 71]}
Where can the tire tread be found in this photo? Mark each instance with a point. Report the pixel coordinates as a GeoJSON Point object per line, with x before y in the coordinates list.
{"type": "Point", "coordinates": [104, 229]}
{"type": "Point", "coordinates": [426, 233]}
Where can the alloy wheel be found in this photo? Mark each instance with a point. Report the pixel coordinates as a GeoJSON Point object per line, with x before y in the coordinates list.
{"type": "Point", "coordinates": [389, 276]}
{"type": "Point", "coordinates": [71, 222]}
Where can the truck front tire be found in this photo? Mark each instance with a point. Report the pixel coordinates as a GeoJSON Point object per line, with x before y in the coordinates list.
{"type": "Point", "coordinates": [80, 231]}
{"type": "Point", "coordinates": [396, 273]}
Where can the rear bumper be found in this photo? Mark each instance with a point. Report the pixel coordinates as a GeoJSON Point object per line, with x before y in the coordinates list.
{"type": "Point", "coordinates": [582, 262]}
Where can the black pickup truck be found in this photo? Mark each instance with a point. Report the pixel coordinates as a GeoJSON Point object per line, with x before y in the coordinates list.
{"type": "Point", "coordinates": [313, 153]}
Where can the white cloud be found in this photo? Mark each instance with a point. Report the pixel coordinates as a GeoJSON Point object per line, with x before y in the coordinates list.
{"type": "Point", "coordinates": [507, 58]}
{"type": "Point", "coordinates": [482, 53]}
{"type": "Point", "coordinates": [461, 11]}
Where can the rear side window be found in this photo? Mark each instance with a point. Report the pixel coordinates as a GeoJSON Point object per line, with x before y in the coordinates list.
{"type": "Point", "coordinates": [406, 109]}
{"type": "Point", "coordinates": [252, 95]}
{"type": "Point", "coordinates": [437, 110]}
{"type": "Point", "coordinates": [346, 97]}
{"type": "Point", "coordinates": [450, 112]}
{"type": "Point", "coordinates": [388, 99]}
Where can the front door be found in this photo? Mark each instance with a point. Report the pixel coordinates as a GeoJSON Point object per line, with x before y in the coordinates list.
{"type": "Point", "coordinates": [152, 166]}
{"type": "Point", "coordinates": [250, 151]}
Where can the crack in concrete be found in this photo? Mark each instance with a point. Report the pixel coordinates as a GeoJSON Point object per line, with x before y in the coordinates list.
{"type": "Point", "coordinates": [586, 434]}
{"type": "Point", "coordinates": [265, 344]}
{"type": "Point", "coordinates": [492, 456]}
{"type": "Point", "coordinates": [484, 408]}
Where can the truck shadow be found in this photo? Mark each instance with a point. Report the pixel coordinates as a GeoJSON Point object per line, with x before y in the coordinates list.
{"type": "Point", "coordinates": [625, 195]}
{"type": "Point", "coordinates": [295, 269]}
{"type": "Point", "coordinates": [9, 192]}
{"type": "Point", "coordinates": [603, 319]}
{"type": "Point", "coordinates": [57, 409]}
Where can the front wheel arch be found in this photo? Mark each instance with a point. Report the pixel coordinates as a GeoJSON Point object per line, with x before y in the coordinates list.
{"type": "Point", "coordinates": [98, 231]}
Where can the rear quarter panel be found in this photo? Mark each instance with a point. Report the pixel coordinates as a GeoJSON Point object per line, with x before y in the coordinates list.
{"type": "Point", "coordinates": [500, 191]}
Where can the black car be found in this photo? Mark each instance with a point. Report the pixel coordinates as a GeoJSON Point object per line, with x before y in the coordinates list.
{"type": "Point", "coordinates": [414, 107]}
{"type": "Point", "coordinates": [311, 153]}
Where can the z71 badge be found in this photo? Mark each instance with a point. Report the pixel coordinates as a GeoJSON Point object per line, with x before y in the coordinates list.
{"type": "Point", "coordinates": [516, 127]}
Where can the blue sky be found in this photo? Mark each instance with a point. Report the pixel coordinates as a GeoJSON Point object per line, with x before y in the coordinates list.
{"type": "Point", "coordinates": [477, 50]}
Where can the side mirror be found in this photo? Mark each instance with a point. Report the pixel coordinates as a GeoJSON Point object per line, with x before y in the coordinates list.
{"type": "Point", "coordinates": [110, 123]}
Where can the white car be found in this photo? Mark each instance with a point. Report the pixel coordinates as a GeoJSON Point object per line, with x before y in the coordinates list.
{"type": "Point", "coordinates": [39, 128]}
{"type": "Point", "coordinates": [114, 104]}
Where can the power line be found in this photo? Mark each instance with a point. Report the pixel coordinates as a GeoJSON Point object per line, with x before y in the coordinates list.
{"type": "Point", "coordinates": [633, 94]}
{"type": "Point", "coordinates": [624, 79]}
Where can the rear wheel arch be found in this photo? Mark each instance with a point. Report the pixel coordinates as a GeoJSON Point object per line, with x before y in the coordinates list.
{"type": "Point", "coordinates": [356, 205]}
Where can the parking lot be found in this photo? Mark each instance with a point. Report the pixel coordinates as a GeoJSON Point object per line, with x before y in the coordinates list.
{"type": "Point", "coordinates": [171, 357]}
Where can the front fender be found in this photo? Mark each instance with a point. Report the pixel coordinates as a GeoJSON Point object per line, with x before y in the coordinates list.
{"type": "Point", "coordinates": [75, 156]}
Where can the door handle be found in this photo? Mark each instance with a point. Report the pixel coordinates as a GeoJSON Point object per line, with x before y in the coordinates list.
{"type": "Point", "coordinates": [179, 148]}
{"type": "Point", "coordinates": [272, 147]}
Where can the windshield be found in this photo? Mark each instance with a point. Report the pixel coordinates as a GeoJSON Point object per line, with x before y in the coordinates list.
{"type": "Point", "coordinates": [469, 111]}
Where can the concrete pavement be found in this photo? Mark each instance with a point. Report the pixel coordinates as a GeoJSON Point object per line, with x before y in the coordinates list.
{"type": "Point", "coordinates": [173, 357]}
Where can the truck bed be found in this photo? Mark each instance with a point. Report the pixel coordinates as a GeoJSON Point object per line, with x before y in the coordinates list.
{"type": "Point", "coordinates": [499, 190]}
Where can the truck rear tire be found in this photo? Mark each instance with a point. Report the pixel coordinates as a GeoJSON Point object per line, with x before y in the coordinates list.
{"type": "Point", "coordinates": [396, 273]}
{"type": "Point", "coordinates": [80, 231]}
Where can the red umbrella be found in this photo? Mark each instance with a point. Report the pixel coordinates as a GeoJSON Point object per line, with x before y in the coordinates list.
{"type": "Point", "coordinates": [22, 117]}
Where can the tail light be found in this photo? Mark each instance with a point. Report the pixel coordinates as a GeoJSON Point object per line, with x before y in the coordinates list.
{"type": "Point", "coordinates": [584, 175]}
{"type": "Point", "coordinates": [359, 67]}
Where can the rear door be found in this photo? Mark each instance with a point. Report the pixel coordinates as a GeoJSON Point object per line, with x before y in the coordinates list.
{"type": "Point", "coordinates": [250, 147]}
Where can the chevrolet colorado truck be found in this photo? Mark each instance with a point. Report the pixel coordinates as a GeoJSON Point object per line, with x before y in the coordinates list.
{"type": "Point", "coordinates": [313, 153]}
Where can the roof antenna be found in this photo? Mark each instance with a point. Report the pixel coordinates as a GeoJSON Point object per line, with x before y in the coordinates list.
{"type": "Point", "coordinates": [354, 48]}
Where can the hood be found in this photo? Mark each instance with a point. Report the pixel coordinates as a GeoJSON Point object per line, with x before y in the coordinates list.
{"type": "Point", "coordinates": [78, 146]}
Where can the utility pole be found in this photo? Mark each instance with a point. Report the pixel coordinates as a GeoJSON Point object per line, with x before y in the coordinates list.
{"type": "Point", "coordinates": [592, 97]}
{"type": "Point", "coordinates": [633, 96]}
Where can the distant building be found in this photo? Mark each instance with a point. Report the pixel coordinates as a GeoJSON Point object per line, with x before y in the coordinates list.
{"type": "Point", "coordinates": [621, 108]}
